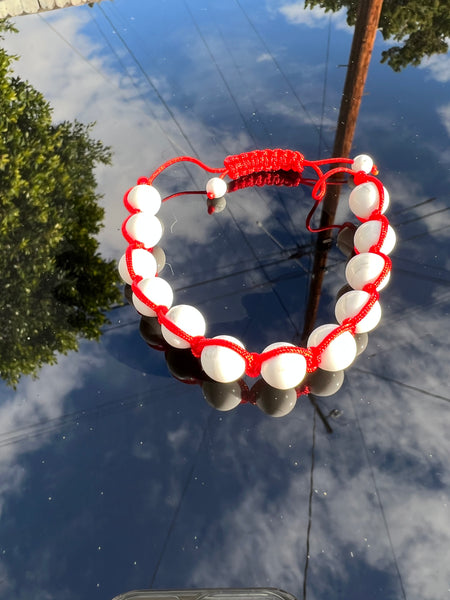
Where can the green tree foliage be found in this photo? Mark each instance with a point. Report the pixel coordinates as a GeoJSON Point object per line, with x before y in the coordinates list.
{"type": "Point", "coordinates": [421, 28]}
{"type": "Point", "coordinates": [55, 286]}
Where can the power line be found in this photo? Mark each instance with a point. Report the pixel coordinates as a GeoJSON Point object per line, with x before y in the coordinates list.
{"type": "Point", "coordinates": [380, 503]}
{"type": "Point", "coordinates": [414, 219]}
{"type": "Point", "coordinates": [282, 73]}
{"type": "Point", "coordinates": [310, 498]}
{"type": "Point", "coordinates": [149, 81]}
{"type": "Point", "coordinates": [402, 384]}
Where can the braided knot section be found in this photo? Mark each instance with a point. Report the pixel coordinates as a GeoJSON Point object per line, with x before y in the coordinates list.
{"type": "Point", "coordinates": [197, 345]}
{"type": "Point", "coordinates": [263, 160]}
{"type": "Point", "coordinates": [253, 364]}
{"type": "Point", "coordinates": [279, 178]}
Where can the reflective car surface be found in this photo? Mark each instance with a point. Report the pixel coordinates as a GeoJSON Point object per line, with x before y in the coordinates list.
{"type": "Point", "coordinates": [117, 472]}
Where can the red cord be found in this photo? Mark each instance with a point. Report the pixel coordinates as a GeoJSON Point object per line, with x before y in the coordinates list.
{"type": "Point", "coordinates": [263, 167]}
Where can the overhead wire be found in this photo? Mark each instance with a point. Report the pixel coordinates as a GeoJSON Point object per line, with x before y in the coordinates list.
{"type": "Point", "coordinates": [281, 71]}
{"type": "Point", "coordinates": [150, 82]}
{"type": "Point", "coordinates": [380, 502]}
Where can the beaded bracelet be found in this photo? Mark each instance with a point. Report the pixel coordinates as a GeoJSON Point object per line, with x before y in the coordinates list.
{"type": "Point", "coordinates": [283, 365]}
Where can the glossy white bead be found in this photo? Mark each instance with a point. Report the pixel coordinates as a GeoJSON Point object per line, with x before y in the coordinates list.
{"type": "Point", "coordinates": [283, 371]}
{"type": "Point", "coordinates": [361, 339]}
{"type": "Point", "coordinates": [216, 188]}
{"type": "Point", "coordinates": [145, 198]}
{"type": "Point", "coordinates": [222, 396]}
{"type": "Point", "coordinates": [143, 263]}
{"type": "Point", "coordinates": [187, 318]}
{"type": "Point", "coordinates": [325, 383]}
{"type": "Point", "coordinates": [145, 229]}
{"type": "Point", "coordinates": [349, 306]}
{"type": "Point", "coordinates": [223, 364]}
{"type": "Point", "coordinates": [276, 403]}
{"type": "Point", "coordinates": [365, 268]}
{"type": "Point", "coordinates": [160, 257]}
{"type": "Point", "coordinates": [158, 291]}
{"type": "Point", "coordinates": [339, 354]}
{"type": "Point", "coordinates": [368, 234]}
{"type": "Point", "coordinates": [364, 199]}
{"type": "Point", "coordinates": [344, 241]}
{"type": "Point", "coordinates": [362, 162]}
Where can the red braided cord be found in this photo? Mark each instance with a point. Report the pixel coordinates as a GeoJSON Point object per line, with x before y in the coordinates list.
{"type": "Point", "coordinates": [178, 159]}
{"type": "Point", "coordinates": [244, 169]}
{"type": "Point", "coordinates": [262, 178]}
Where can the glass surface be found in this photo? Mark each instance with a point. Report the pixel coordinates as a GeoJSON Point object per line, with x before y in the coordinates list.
{"type": "Point", "coordinates": [116, 475]}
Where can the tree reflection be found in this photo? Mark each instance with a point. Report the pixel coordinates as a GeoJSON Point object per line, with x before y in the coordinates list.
{"type": "Point", "coordinates": [421, 28]}
{"type": "Point", "coordinates": [55, 285]}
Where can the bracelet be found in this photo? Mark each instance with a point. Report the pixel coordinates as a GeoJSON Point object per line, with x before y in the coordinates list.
{"type": "Point", "coordinates": [283, 365]}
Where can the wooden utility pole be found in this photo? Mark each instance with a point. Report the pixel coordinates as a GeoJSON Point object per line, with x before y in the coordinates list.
{"type": "Point", "coordinates": [360, 54]}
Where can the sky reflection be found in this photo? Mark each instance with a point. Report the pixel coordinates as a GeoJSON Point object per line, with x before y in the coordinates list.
{"type": "Point", "coordinates": [113, 475]}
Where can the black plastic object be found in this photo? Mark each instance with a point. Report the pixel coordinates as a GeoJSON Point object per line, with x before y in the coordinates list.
{"type": "Point", "coordinates": [208, 594]}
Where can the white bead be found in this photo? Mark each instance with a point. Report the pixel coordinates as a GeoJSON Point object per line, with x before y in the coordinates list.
{"type": "Point", "coordinates": [364, 199]}
{"type": "Point", "coordinates": [365, 268]}
{"type": "Point", "coordinates": [339, 354]}
{"type": "Point", "coordinates": [143, 263]}
{"type": "Point", "coordinates": [276, 403]}
{"type": "Point", "coordinates": [223, 364]}
{"type": "Point", "coordinates": [361, 339]}
{"type": "Point", "coordinates": [145, 198]}
{"type": "Point", "coordinates": [222, 396]}
{"type": "Point", "coordinates": [349, 306]}
{"type": "Point", "coordinates": [325, 383]}
{"type": "Point", "coordinates": [187, 318]}
{"type": "Point", "coordinates": [283, 371]}
{"type": "Point", "coordinates": [216, 188]}
{"type": "Point", "coordinates": [368, 234]}
{"type": "Point", "coordinates": [145, 229]}
{"type": "Point", "coordinates": [344, 241]}
{"type": "Point", "coordinates": [160, 257]}
{"type": "Point", "coordinates": [362, 162]}
{"type": "Point", "coordinates": [157, 290]}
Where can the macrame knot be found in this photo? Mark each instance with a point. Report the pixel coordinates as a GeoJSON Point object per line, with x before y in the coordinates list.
{"type": "Point", "coordinates": [312, 357]}
{"type": "Point", "coordinates": [197, 345]}
{"type": "Point", "coordinates": [360, 177]}
{"type": "Point", "coordinates": [349, 325]}
{"type": "Point", "coordinates": [254, 362]}
{"type": "Point", "coordinates": [161, 311]}
{"type": "Point", "coordinates": [371, 289]}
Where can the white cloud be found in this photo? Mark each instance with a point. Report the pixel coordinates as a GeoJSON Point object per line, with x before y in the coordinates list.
{"type": "Point", "coordinates": [438, 66]}
{"type": "Point", "coordinates": [444, 113]}
{"type": "Point", "coordinates": [296, 14]}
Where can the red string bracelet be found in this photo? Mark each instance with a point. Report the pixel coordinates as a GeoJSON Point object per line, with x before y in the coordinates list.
{"type": "Point", "coordinates": [332, 346]}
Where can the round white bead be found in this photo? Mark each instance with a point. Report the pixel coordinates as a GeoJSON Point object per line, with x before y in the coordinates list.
{"type": "Point", "coordinates": [325, 383]}
{"type": "Point", "coordinates": [145, 229]}
{"type": "Point", "coordinates": [216, 188]}
{"type": "Point", "coordinates": [160, 257]}
{"type": "Point", "coordinates": [187, 318]}
{"type": "Point", "coordinates": [361, 339]}
{"type": "Point", "coordinates": [276, 403]}
{"type": "Point", "coordinates": [364, 199]}
{"type": "Point", "coordinates": [365, 268]}
{"type": "Point", "coordinates": [145, 198]}
{"type": "Point", "coordinates": [157, 290]}
{"type": "Point", "coordinates": [362, 162]}
{"type": "Point", "coordinates": [283, 371]}
{"type": "Point", "coordinates": [368, 234]}
{"type": "Point", "coordinates": [349, 306]}
{"type": "Point", "coordinates": [143, 263]}
{"type": "Point", "coordinates": [339, 354]}
{"type": "Point", "coordinates": [223, 364]}
{"type": "Point", "coordinates": [344, 241]}
{"type": "Point", "coordinates": [222, 396]}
